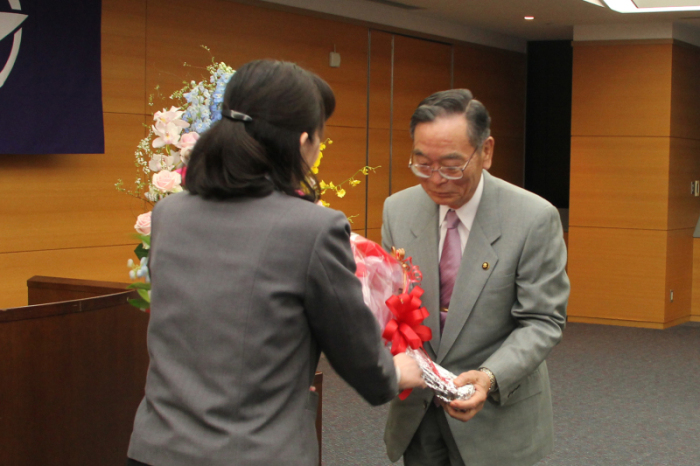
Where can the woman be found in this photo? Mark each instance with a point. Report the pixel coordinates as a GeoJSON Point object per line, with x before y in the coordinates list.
{"type": "Point", "coordinates": [251, 281]}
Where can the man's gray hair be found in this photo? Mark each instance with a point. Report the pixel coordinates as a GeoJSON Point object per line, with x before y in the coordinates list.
{"type": "Point", "coordinates": [456, 102]}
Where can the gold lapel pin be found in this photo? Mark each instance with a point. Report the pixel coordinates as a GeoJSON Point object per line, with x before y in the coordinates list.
{"type": "Point", "coordinates": [485, 266]}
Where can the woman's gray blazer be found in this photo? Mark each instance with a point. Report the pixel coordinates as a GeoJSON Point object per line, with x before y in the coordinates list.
{"type": "Point", "coordinates": [246, 294]}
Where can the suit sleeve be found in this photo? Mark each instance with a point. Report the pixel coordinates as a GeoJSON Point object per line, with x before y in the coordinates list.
{"type": "Point", "coordinates": [344, 327]}
{"type": "Point", "coordinates": [387, 239]}
{"type": "Point", "coordinates": [542, 292]}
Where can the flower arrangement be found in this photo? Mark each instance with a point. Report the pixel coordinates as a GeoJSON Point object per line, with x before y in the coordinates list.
{"type": "Point", "coordinates": [163, 154]}
{"type": "Point", "coordinates": [161, 160]}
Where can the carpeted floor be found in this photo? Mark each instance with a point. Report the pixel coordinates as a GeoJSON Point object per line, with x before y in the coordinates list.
{"type": "Point", "coordinates": [622, 396]}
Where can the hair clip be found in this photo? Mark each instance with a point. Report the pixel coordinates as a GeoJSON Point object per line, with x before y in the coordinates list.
{"type": "Point", "coordinates": [236, 116]}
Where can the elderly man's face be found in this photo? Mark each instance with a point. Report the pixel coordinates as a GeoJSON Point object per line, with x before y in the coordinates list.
{"type": "Point", "coordinates": [444, 142]}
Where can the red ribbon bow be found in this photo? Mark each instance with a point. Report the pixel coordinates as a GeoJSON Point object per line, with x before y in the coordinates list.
{"type": "Point", "coordinates": [406, 328]}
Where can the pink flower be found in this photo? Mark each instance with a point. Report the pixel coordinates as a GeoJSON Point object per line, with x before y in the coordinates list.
{"type": "Point", "coordinates": [167, 181]}
{"type": "Point", "coordinates": [143, 224]}
{"type": "Point", "coordinates": [187, 142]}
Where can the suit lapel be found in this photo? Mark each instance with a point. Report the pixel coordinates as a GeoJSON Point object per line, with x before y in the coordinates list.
{"type": "Point", "coordinates": [472, 276]}
{"type": "Point", "coordinates": [424, 251]}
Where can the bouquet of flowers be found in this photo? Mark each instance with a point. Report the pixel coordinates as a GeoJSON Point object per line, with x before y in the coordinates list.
{"type": "Point", "coordinates": [386, 279]}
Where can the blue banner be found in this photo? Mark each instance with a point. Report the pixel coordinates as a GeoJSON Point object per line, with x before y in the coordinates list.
{"type": "Point", "coordinates": [50, 77]}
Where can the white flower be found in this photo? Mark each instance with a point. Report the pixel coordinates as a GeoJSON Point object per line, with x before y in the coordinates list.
{"type": "Point", "coordinates": [156, 163]}
{"type": "Point", "coordinates": [164, 162]}
{"type": "Point", "coordinates": [172, 160]}
{"type": "Point", "coordinates": [167, 134]}
{"type": "Point", "coordinates": [174, 116]}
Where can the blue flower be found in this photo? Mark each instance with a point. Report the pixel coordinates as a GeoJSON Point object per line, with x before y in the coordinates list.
{"type": "Point", "coordinates": [205, 98]}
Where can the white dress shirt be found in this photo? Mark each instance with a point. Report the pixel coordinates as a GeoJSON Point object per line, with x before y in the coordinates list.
{"type": "Point", "coordinates": [466, 215]}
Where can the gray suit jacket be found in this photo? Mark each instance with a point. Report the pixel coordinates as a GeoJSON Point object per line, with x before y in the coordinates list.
{"type": "Point", "coordinates": [246, 294]}
{"type": "Point", "coordinates": [506, 316]}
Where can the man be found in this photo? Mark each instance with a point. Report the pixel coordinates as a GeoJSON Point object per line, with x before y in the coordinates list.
{"type": "Point", "coordinates": [493, 260]}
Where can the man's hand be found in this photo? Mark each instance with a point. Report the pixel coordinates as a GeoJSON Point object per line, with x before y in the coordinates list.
{"type": "Point", "coordinates": [411, 374]}
{"type": "Point", "coordinates": [464, 410]}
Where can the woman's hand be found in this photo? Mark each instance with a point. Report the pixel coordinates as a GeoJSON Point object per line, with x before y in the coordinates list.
{"type": "Point", "coordinates": [411, 374]}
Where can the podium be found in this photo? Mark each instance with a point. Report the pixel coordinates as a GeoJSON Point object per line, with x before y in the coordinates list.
{"type": "Point", "coordinates": [72, 373]}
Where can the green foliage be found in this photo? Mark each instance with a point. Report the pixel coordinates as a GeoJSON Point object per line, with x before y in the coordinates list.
{"type": "Point", "coordinates": [139, 286]}
{"type": "Point", "coordinates": [144, 295]}
{"type": "Point", "coordinates": [140, 251]}
{"type": "Point", "coordinates": [140, 303]}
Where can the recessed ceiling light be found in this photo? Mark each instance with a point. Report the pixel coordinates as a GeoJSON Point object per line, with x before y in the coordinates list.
{"type": "Point", "coordinates": [652, 6]}
{"type": "Point", "coordinates": [529, 18]}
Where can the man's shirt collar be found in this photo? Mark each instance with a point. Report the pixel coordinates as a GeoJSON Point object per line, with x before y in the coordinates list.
{"type": "Point", "coordinates": [467, 212]}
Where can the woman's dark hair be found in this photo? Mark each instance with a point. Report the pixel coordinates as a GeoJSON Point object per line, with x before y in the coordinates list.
{"type": "Point", "coordinates": [251, 158]}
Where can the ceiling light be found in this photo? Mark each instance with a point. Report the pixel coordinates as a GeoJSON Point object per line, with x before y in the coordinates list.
{"type": "Point", "coordinates": [652, 6]}
{"type": "Point", "coordinates": [529, 18]}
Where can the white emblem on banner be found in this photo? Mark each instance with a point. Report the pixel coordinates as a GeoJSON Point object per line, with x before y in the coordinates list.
{"type": "Point", "coordinates": [9, 22]}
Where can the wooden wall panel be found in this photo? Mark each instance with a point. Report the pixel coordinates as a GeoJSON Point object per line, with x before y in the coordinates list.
{"type": "Point", "coordinates": [619, 182]}
{"type": "Point", "coordinates": [124, 56]}
{"type": "Point", "coordinates": [375, 234]}
{"type": "Point", "coordinates": [497, 78]}
{"type": "Point", "coordinates": [340, 161]}
{"type": "Point", "coordinates": [621, 90]}
{"type": "Point", "coordinates": [380, 80]}
{"type": "Point", "coordinates": [100, 263]}
{"type": "Point", "coordinates": [401, 176]}
{"type": "Point", "coordinates": [679, 274]}
{"type": "Point", "coordinates": [237, 34]}
{"type": "Point", "coordinates": [508, 162]}
{"type": "Point", "coordinates": [617, 274]}
{"type": "Point", "coordinates": [378, 183]}
{"type": "Point", "coordinates": [685, 93]}
{"type": "Point", "coordinates": [684, 167]}
{"type": "Point", "coordinates": [420, 69]}
{"type": "Point", "coordinates": [634, 183]}
{"type": "Point", "coordinates": [379, 148]}
{"type": "Point", "coordinates": [695, 305]}
{"type": "Point", "coordinates": [69, 201]}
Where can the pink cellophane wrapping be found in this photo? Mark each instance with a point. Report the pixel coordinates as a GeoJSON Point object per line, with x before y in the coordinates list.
{"type": "Point", "coordinates": [382, 276]}
{"type": "Point", "coordinates": [380, 273]}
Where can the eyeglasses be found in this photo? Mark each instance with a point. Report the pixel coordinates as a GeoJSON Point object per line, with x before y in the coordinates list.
{"type": "Point", "coordinates": [449, 173]}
